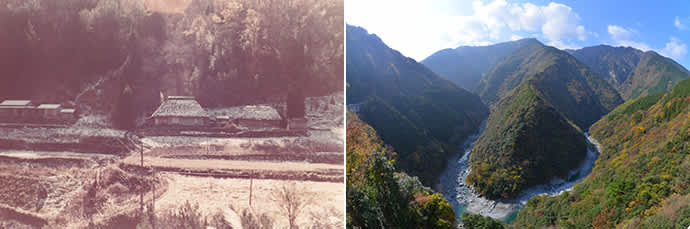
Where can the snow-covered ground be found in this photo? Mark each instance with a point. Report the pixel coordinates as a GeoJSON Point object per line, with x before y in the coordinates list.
{"type": "Point", "coordinates": [325, 112]}
{"type": "Point", "coordinates": [465, 198]}
{"type": "Point", "coordinates": [91, 125]}
{"type": "Point", "coordinates": [326, 200]}
{"type": "Point", "coordinates": [44, 154]}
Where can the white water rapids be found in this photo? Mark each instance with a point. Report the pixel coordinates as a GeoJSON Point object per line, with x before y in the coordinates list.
{"type": "Point", "coordinates": [463, 197]}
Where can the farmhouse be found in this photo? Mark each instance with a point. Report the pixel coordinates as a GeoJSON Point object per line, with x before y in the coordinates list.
{"type": "Point", "coordinates": [48, 111]}
{"type": "Point", "coordinates": [255, 116]}
{"type": "Point", "coordinates": [180, 111]}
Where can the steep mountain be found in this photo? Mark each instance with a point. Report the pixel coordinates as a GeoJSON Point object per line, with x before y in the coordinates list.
{"type": "Point", "coordinates": [496, 70]}
{"type": "Point", "coordinates": [653, 74]}
{"type": "Point", "coordinates": [568, 84]}
{"type": "Point", "coordinates": [465, 65]}
{"type": "Point", "coordinates": [640, 179]}
{"type": "Point", "coordinates": [614, 64]}
{"type": "Point", "coordinates": [378, 195]}
{"type": "Point", "coordinates": [421, 114]}
{"type": "Point", "coordinates": [526, 142]}
{"type": "Point", "coordinates": [95, 54]}
{"type": "Point", "coordinates": [542, 99]}
{"type": "Point", "coordinates": [632, 72]}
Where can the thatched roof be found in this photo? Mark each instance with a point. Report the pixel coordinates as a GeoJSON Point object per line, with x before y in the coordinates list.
{"type": "Point", "coordinates": [254, 112]}
{"type": "Point", "coordinates": [177, 107]}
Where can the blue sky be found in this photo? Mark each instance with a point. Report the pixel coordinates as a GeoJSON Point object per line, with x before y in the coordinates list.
{"type": "Point", "coordinates": [419, 28]}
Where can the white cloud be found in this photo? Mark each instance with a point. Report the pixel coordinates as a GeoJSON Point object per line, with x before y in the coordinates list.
{"type": "Point", "coordinates": [515, 37]}
{"type": "Point", "coordinates": [675, 48]}
{"type": "Point", "coordinates": [623, 37]}
{"type": "Point", "coordinates": [619, 33]}
{"type": "Point", "coordinates": [531, 17]}
{"type": "Point", "coordinates": [560, 23]}
{"type": "Point", "coordinates": [680, 25]}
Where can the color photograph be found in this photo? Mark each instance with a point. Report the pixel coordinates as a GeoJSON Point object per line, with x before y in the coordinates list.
{"type": "Point", "coordinates": [517, 114]}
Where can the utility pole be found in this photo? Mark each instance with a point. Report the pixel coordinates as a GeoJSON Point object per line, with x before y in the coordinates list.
{"type": "Point", "coordinates": [251, 182]}
{"type": "Point", "coordinates": [153, 207]}
{"type": "Point", "coordinates": [141, 147]}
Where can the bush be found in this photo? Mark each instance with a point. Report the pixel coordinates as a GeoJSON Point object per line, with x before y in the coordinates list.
{"type": "Point", "coordinates": [471, 221]}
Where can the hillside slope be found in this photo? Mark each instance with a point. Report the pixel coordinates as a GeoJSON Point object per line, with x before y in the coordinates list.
{"type": "Point", "coordinates": [378, 196]}
{"type": "Point", "coordinates": [542, 100]}
{"type": "Point", "coordinates": [569, 85]}
{"type": "Point", "coordinates": [632, 72]}
{"type": "Point", "coordinates": [421, 114]}
{"type": "Point", "coordinates": [95, 54]}
{"type": "Point", "coordinates": [640, 178]}
{"type": "Point", "coordinates": [526, 142]}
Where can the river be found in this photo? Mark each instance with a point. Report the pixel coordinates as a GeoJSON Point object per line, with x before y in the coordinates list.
{"type": "Point", "coordinates": [464, 198]}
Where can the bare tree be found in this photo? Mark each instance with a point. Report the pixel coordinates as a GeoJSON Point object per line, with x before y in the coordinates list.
{"type": "Point", "coordinates": [292, 201]}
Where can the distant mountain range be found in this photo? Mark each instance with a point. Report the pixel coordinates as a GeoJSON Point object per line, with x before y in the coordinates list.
{"type": "Point", "coordinates": [422, 115]}
{"type": "Point", "coordinates": [465, 65]}
{"type": "Point", "coordinates": [632, 72]}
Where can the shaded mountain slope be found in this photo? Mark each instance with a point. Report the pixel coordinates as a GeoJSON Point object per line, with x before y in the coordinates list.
{"type": "Point", "coordinates": [421, 114]}
{"type": "Point", "coordinates": [568, 84]}
{"type": "Point", "coordinates": [378, 195]}
{"type": "Point", "coordinates": [465, 65]}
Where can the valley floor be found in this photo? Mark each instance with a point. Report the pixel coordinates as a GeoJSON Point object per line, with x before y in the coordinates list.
{"type": "Point", "coordinates": [76, 189]}
{"type": "Point", "coordinates": [465, 199]}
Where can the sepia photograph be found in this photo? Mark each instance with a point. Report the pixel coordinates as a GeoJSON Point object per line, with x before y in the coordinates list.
{"type": "Point", "coordinates": [172, 114]}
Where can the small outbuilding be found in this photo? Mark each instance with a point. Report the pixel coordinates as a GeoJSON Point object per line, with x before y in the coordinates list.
{"type": "Point", "coordinates": [49, 111]}
{"type": "Point", "coordinates": [16, 110]}
{"type": "Point", "coordinates": [180, 111]}
{"type": "Point", "coordinates": [68, 115]}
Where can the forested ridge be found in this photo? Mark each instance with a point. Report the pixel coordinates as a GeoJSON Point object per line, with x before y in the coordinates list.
{"type": "Point", "coordinates": [120, 56]}
{"type": "Point", "coordinates": [542, 99]}
{"type": "Point", "coordinates": [526, 142]}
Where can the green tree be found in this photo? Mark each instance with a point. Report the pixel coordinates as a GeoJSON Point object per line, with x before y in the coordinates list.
{"type": "Point", "coordinates": [472, 221]}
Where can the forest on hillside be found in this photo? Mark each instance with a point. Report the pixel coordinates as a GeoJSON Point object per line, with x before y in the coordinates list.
{"type": "Point", "coordinates": [118, 57]}
{"type": "Point", "coordinates": [640, 179]}
{"type": "Point", "coordinates": [379, 195]}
